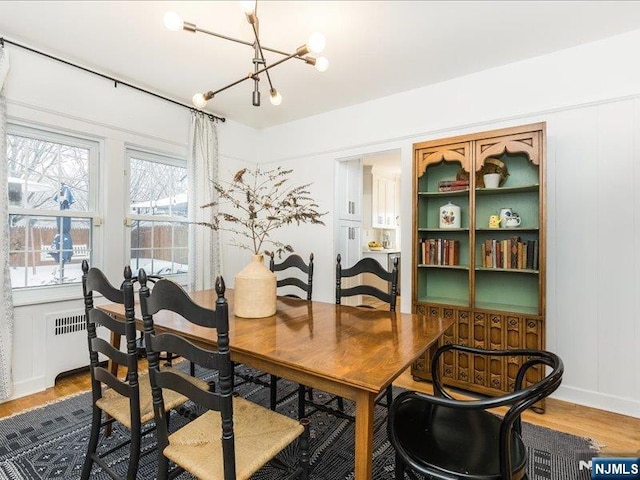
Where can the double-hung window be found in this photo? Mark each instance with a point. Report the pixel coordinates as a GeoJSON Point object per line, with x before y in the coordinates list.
{"type": "Point", "coordinates": [158, 221]}
{"type": "Point", "coordinates": [52, 205]}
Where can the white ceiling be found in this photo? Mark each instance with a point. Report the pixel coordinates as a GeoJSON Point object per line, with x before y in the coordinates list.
{"type": "Point", "coordinates": [375, 48]}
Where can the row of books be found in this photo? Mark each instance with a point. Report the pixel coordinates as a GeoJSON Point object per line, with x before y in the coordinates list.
{"type": "Point", "coordinates": [510, 253]}
{"type": "Point", "coordinates": [452, 185]}
{"type": "Point", "coordinates": [439, 251]}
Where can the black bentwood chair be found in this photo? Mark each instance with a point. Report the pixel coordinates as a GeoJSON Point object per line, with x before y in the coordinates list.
{"type": "Point", "coordinates": [365, 265]}
{"type": "Point", "coordinates": [234, 438]}
{"type": "Point", "coordinates": [128, 400]}
{"type": "Point", "coordinates": [444, 438]}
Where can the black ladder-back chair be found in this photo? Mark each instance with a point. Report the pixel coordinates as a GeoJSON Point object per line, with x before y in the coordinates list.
{"type": "Point", "coordinates": [372, 266]}
{"type": "Point", "coordinates": [234, 437]}
{"type": "Point", "coordinates": [140, 343]}
{"type": "Point", "coordinates": [293, 261]}
{"type": "Point", "coordinates": [442, 437]}
{"type": "Point", "coordinates": [368, 265]}
{"type": "Point", "coordinates": [365, 265]}
{"type": "Point", "coordinates": [127, 401]}
{"type": "Point", "coordinates": [142, 351]}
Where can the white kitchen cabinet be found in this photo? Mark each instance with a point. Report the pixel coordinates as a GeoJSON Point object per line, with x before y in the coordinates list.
{"type": "Point", "coordinates": [349, 189]}
{"type": "Point", "coordinates": [349, 246]}
{"type": "Point", "coordinates": [383, 202]}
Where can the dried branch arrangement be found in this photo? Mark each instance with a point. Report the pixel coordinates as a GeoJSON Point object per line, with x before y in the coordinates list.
{"type": "Point", "coordinates": [255, 203]}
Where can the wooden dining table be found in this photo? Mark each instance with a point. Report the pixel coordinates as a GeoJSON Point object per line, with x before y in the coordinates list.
{"type": "Point", "coordinates": [349, 351]}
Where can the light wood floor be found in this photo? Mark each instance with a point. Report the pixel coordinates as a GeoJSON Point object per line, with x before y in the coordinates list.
{"type": "Point", "coordinates": [617, 434]}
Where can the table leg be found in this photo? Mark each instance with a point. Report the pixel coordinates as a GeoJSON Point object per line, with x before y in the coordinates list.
{"type": "Point", "coordinates": [364, 435]}
{"type": "Point", "coordinates": [115, 342]}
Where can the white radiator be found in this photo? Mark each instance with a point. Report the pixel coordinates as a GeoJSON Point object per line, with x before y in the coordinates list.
{"type": "Point", "coordinates": [66, 343]}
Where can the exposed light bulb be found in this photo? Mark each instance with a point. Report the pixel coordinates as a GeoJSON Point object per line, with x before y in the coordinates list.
{"type": "Point", "coordinates": [173, 21]}
{"type": "Point", "coordinates": [248, 7]}
{"type": "Point", "coordinates": [275, 98]}
{"type": "Point", "coordinates": [322, 63]}
{"type": "Point", "coordinates": [316, 42]}
{"type": "Point", "coordinates": [199, 101]}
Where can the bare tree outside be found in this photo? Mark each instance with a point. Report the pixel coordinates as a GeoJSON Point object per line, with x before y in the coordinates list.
{"type": "Point", "coordinates": [157, 188]}
{"type": "Point", "coordinates": [38, 170]}
{"type": "Point", "coordinates": [158, 205]}
{"type": "Point", "coordinates": [42, 166]}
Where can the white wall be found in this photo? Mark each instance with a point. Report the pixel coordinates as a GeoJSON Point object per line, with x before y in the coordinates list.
{"type": "Point", "coordinates": [45, 93]}
{"type": "Point", "coordinates": [590, 98]}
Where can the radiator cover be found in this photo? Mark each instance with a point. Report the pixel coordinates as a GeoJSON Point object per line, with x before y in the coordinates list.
{"type": "Point", "coordinates": [66, 343]}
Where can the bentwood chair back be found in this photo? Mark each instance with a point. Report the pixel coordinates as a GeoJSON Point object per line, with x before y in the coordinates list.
{"type": "Point", "coordinates": [439, 436]}
{"type": "Point", "coordinates": [125, 400]}
{"type": "Point", "coordinates": [234, 437]}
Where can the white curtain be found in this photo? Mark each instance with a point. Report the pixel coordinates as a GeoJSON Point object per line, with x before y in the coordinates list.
{"type": "Point", "coordinates": [6, 307]}
{"type": "Point", "coordinates": [204, 251]}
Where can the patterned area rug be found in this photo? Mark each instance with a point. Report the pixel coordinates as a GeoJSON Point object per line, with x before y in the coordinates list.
{"type": "Point", "coordinates": [50, 443]}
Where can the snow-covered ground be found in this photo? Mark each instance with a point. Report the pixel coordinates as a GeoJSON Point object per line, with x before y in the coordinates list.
{"type": "Point", "coordinates": [51, 274]}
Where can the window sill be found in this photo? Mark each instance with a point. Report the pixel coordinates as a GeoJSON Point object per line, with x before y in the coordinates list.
{"type": "Point", "coordinates": [49, 294]}
{"type": "Point", "coordinates": [63, 293]}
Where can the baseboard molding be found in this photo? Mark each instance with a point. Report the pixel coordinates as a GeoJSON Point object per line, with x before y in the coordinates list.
{"type": "Point", "coordinates": [27, 387]}
{"type": "Point", "coordinates": [601, 401]}
{"type": "Point", "coordinates": [38, 385]}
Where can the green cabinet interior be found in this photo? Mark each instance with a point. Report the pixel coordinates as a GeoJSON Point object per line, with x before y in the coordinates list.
{"type": "Point", "coordinates": [446, 285]}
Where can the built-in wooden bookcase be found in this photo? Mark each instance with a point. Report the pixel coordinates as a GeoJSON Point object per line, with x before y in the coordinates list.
{"type": "Point", "coordinates": [496, 302]}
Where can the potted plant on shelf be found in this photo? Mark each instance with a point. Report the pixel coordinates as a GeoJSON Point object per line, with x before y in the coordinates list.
{"type": "Point", "coordinates": [251, 207]}
{"type": "Point", "coordinates": [493, 174]}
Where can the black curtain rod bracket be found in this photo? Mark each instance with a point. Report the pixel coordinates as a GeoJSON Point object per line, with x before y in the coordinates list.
{"type": "Point", "coordinates": [115, 81]}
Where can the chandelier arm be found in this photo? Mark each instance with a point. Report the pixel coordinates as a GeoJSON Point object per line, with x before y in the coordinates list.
{"type": "Point", "coordinates": [244, 42]}
{"type": "Point", "coordinates": [233, 84]}
{"type": "Point", "coordinates": [225, 37]}
{"type": "Point", "coordinates": [280, 52]}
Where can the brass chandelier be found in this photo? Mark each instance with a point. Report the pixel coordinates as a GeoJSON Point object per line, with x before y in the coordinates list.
{"type": "Point", "coordinates": [315, 45]}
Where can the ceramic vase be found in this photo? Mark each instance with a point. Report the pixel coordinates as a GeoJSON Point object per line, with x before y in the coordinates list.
{"type": "Point", "coordinates": [254, 291]}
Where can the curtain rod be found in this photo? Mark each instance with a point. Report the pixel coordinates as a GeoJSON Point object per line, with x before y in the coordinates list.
{"type": "Point", "coordinates": [115, 80]}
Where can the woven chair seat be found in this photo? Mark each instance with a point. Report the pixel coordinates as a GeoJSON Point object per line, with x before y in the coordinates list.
{"type": "Point", "coordinates": [117, 405]}
{"type": "Point", "coordinates": [259, 435]}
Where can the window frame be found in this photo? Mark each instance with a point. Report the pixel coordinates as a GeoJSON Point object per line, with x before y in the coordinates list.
{"type": "Point", "coordinates": [31, 295]}
{"type": "Point", "coordinates": [133, 152]}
